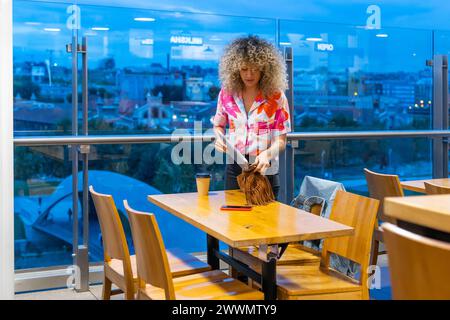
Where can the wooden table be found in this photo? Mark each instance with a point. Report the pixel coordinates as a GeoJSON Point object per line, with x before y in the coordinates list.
{"type": "Point", "coordinates": [425, 215]}
{"type": "Point", "coordinates": [418, 185]}
{"type": "Point", "coordinates": [265, 226]}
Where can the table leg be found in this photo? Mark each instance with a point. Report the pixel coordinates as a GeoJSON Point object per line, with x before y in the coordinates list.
{"type": "Point", "coordinates": [212, 246]}
{"type": "Point", "coordinates": [269, 278]}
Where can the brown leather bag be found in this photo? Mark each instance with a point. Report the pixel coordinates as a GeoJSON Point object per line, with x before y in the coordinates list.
{"type": "Point", "coordinates": [256, 187]}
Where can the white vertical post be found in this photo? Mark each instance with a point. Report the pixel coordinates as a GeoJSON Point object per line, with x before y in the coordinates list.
{"type": "Point", "coordinates": [6, 154]}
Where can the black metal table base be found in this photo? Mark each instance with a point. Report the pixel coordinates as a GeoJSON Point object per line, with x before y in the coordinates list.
{"type": "Point", "coordinates": [267, 278]}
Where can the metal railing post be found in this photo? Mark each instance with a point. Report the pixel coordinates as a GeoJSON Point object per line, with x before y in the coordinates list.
{"type": "Point", "coordinates": [288, 155]}
{"type": "Point", "coordinates": [72, 48]}
{"type": "Point", "coordinates": [83, 249]}
{"type": "Point", "coordinates": [440, 115]}
{"type": "Point", "coordinates": [80, 251]}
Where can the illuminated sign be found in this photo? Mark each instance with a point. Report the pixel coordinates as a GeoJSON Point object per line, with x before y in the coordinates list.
{"type": "Point", "coordinates": [186, 40]}
{"type": "Point", "coordinates": [147, 42]}
{"type": "Point", "coordinates": [325, 47]}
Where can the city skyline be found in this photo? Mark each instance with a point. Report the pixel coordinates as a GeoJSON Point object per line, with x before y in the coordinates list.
{"type": "Point", "coordinates": [134, 43]}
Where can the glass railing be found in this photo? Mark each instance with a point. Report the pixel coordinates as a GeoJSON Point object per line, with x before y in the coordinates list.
{"type": "Point", "coordinates": [151, 72]}
{"type": "Point", "coordinates": [345, 160]}
{"type": "Point", "coordinates": [43, 214]}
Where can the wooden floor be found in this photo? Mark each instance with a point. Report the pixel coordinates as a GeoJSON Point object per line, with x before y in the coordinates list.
{"type": "Point", "coordinates": [95, 291]}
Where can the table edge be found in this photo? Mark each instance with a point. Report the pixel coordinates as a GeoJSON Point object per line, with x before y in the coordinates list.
{"type": "Point", "coordinates": [348, 231]}
{"type": "Point", "coordinates": [419, 215]}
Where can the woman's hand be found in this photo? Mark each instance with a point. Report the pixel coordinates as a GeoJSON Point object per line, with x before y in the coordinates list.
{"type": "Point", "coordinates": [219, 143]}
{"type": "Point", "coordinates": [262, 162]}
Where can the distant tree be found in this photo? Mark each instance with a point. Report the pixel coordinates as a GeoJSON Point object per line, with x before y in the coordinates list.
{"type": "Point", "coordinates": [69, 97]}
{"type": "Point", "coordinates": [213, 92]}
{"type": "Point", "coordinates": [144, 161]}
{"type": "Point", "coordinates": [169, 92]}
{"type": "Point", "coordinates": [100, 126]}
{"type": "Point", "coordinates": [167, 177]}
{"type": "Point", "coordinates": [105, 93]}
{"type": "Point", "coordinates": [50, 99]}
{"type": "Point", "coordinates": [310, 122]}
{"type": "Point", "coordinates": [107, 64]}
{"type": "Point", "coordinates": [25, 87]}
{"type": "Point", "coordinates": [341, 121]}
{"type": "Point", "coordinates": [64, 125]}
{"type": "Point", "coordinates": [19, 227]}
{"type": "Point", "coordinates": [26, 164]}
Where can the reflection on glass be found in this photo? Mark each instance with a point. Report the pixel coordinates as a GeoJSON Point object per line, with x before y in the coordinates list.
{"type": "Point", "coordinates": [43, 197]}
{"type": "Point", "coordinates": [149, 71]}
{"type": "Point", "coordinates": [133, 172]}
{"type": "Point", "coordinates": [354, 78]}
{"type": "Point", "coordinates": [42, 73]}
{"type": "Point", "coordinates": [344, 160]}
{"type": "Point", "coordinates": [42, 207]}
{"type": "Point", "coordinates": [154, 72]}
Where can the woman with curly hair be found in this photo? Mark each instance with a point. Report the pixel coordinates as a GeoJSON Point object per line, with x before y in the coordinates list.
{"type": "Point", "coordinates": [253, 104]}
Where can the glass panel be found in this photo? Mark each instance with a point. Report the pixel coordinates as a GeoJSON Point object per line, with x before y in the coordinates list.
{"type": "Point", "coordinates": [344, 160]}
{"type": "Point", "coordinates": [353, 78]}
{"type": "Point", "coordinates": [155, 72]}
{"type": "Point", "coordinates": [42, 207]}
{"type": "Point", "coordinates": [42, 69]}
{"type": "Point", "coordinates": [134, 171]}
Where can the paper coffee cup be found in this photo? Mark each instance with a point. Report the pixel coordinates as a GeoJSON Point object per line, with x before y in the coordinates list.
{"type": "Point", "coordinates": [203, 180]}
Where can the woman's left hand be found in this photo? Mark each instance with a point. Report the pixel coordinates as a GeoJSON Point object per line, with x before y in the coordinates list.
{"type": "Point", "coordinates": [262, 162]}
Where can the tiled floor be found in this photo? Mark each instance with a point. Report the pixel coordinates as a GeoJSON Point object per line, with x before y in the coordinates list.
{"type": "Point", "coordinates": [94, 293]}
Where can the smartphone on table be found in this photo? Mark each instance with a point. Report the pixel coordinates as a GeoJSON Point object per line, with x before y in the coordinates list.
{"type": "Point", "coordinates": [235, 208]}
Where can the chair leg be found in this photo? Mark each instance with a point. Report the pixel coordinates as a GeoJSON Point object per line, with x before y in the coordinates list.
{"type": "Point", "coordinates": [375, 247]}
{"type": "Point", "coordinates": [106, 295]}
{"type": "Point", "coordinates": [129, 295]}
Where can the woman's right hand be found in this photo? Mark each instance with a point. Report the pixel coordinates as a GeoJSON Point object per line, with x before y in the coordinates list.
{"type": "Point", "coordinates": [219, 141]}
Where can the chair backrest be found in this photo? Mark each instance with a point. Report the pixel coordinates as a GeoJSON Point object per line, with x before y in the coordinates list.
{"type": "Point", "coordinates": [114, 241]}
{"type": "Point", "coordinates": [431, 188]}
{"type": "Point", "coordinates": [360, 213]}
{"type": "Point", "coordinates": [382, 186]}
{"type": "Point", "coordinates": [418, 265]}
{"type": "Point", "coordinates": [151, 257]}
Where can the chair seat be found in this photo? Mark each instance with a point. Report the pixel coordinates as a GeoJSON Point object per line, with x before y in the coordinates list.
{"type": "Point", "coordinates": [310, 280]}
{"type": "Point", "coordinates": [181, 264]}
{"type": "Point", "coordinates": [211, 285]}
{"type": "Point", "coordinates": [295, 254]}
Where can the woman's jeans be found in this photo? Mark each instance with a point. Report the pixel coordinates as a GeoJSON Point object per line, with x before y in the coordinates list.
{"type": "Point", "coordinates": [233, 170]}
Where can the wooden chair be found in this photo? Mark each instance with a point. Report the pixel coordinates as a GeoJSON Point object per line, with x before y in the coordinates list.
{"type": "Point", "coordinates": [295, 253]}
{"type": "Point", "coordinates": [381, 186]}
{"type": "Point", "coordinates": [155, 278]}
{"type": "Point", "coordinates": [311, 282]}
{"type": "Point", "coordinates": [431, 188]}
{"type": "Point", "coordinates": [119, 266]}
{"type": "Point", "coordinates": [418, 265]}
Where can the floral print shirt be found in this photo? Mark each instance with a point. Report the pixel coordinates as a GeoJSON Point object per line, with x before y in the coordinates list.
{"type": "Point", "coordinates": [253, 133]}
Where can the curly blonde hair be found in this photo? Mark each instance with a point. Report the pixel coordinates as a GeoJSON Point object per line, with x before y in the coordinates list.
{"type": "Point", "coordinates": [252, 50]}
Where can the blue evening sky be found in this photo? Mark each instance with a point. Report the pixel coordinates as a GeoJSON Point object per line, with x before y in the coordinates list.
{"type": "Point", "coordinates": [407, 23]}
{"type": "Point", "coordinates": [430, 14]}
